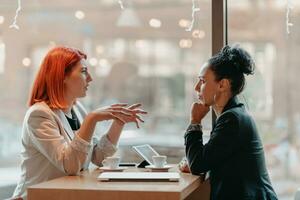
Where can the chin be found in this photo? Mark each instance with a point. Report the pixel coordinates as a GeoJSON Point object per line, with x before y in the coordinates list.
{"type": "Point", "coordinates": [204, 102]}
{"type": "Point", "coordinates": [82, 95]}
{"type": "Point", "coordinates": [201, 100]}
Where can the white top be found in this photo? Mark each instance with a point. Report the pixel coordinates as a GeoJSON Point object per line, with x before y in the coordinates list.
{"type": "Point", "coordinates": [48, 152]}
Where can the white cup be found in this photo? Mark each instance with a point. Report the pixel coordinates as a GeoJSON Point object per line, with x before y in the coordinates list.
{"type": "Point", "coordinates": [159, 161]}
{"type": "Point", "coordinates": [111, 162]}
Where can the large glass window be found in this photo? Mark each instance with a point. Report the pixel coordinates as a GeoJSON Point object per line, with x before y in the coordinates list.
{"type": "Point", "coordinates": [272, 94]}
{"type": "Point", "coordinates": [140, 54]}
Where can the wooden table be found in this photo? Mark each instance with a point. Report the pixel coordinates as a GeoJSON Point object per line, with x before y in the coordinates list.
{"type": "Point", "coordinates": [86, 186]}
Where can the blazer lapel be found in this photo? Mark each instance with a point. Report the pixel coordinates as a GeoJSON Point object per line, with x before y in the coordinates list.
{"type": "Point", "coordinates": [65, 123]}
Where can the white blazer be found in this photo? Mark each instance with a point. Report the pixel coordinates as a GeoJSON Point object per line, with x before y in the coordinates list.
{"type": "Point", "coordinates": [47, 150]}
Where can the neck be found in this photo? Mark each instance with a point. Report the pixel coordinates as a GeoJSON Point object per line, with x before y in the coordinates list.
{"type": "Point", "coordinates": [220, 103]}
{"type": "Point", "coordinates": [69, 102]}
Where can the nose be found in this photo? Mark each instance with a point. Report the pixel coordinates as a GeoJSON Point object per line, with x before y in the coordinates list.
{"type": "Point", "coordinates": [197, 86]}
{"type": "Point", "coordinates": [89, 77]}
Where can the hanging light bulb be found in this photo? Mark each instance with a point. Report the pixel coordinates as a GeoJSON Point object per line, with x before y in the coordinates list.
{"type": "Point", "coordinates": [128, 18]}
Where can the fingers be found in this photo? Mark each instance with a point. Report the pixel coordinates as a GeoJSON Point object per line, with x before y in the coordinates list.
{"type": "Point", "coordinates": [127, 114]}
{"type": "Point", "coordinates": [133, 106]}
{"type": "Point", "coordinates": [128, 111]}
{"type": "Point", "coordinates": [129, 118]}
{"type": "Point", "coordinates": [139, 118]}
{"type": "Point", "coordinates": [119, 105]}
{"type": "Point", "coordinates": [140, 111]}
{"type": "Point", "coordinates": [121, 109]}
{"type": "Point", "coordinates": [137, 124]}
{"type": "Point", "coordinates": [118, 118]}
{"type": "Point", "coordinates": [184, 167]}
{"type": "Point", "coordinates": [124, 113]}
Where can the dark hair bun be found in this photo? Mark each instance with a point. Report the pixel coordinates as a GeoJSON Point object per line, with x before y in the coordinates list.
{"type": "Point", "coordinates": [239, 58]}
{"type": "Point", "coordinates": [232, 63]}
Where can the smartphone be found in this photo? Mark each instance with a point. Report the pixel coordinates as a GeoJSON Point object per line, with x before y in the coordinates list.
{"type": "Point", "coordinates": [127, 164]}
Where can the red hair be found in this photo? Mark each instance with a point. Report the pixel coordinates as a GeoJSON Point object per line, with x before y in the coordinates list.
{"type": "Point", "coordinates": [48, 85]}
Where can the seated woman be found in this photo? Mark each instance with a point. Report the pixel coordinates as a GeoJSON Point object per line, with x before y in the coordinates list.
{"type": "Point", "coordinates": [57, 135]}
{"type": "Point", "coordinates": [234, 155]}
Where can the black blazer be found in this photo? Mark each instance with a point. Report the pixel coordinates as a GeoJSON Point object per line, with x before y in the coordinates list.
{"type": "Point", "coordinates": [234, 156]}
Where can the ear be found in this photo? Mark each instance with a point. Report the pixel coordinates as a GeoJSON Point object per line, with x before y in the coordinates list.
{"type": "Point", "coordinates": [66, 78]}
{"type": "Point", "coordinates": [224, 85]}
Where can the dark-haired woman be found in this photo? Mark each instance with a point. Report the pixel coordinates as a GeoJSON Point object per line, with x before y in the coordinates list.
{"type": "Point", "coordinates": [234, 154]}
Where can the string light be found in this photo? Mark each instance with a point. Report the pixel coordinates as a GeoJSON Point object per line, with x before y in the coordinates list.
{"type": "Point", "coordinates": [1, 19]}
{"type": "Point", "coordinates": [26, 61]}
{"type": "Point", "coordinates": [198, 34]}
{"type": "Point", "coordinates": [194, 10]}
{"type": "Point", "coordinates": [185, 43]}
{"type": "Point", "coordinates": [289, 7]}
{"type": "Point", "coordinates": [155, 23]}
{"type": "Point", "coordinates": [79, 14]}
{"type": "Point", "coordinates": [93, 61]}
{"type": "Point", "coordinates": [121, 4]}
{"type": "Point", "coordinates": [14, 24]}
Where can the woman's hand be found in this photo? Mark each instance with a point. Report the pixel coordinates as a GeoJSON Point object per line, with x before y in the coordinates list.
{"type": "Point", "coordinates": [198, 112]}
{"type": "Point", "coordinates": [121, 113]}
{"type": "Point", "coordinates": [108, 113]}
{"type": "Point", "coordinates": [184, 166]}
{"type": "Point", "coordinates": [130, 114]}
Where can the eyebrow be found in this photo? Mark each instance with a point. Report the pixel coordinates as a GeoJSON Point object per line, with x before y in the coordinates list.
{"type": "Point", "coordinates": [84, 63]}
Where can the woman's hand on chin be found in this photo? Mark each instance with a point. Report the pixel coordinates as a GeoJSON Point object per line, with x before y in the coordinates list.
{"type": "Point", "coordinates": [198, 112]}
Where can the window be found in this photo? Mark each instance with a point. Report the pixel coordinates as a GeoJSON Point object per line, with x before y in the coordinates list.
{"type": "Point", "coordinates": [272, 94]}
{"type": "Point", "coordinates": [2, 57]}
{"type": "Point", "coordinates": [142, 54]}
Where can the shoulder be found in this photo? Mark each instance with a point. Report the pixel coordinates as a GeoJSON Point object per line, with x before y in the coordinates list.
{"type": "Point", "coordinates": [227, 121]}
{"type": "Point", "coordinates": [229, 115]}
{"type": "Point", "coordinates": [237, 116]}
{"type": "Point", "coordinates": [235, 113]}
{"type": "Point", "coordinates": [39, 110]}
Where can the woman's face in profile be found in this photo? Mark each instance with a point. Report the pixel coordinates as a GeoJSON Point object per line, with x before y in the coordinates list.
{"type": "Point", "coordinates": [206, 86]}
{"type": "Point", "coordinates": [77, 82]}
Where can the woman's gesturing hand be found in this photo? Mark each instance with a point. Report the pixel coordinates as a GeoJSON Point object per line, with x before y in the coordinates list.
{"type": "Point", "coordinates": [130, 113]}
{"type": "Point", "coordinates": [120, 112]}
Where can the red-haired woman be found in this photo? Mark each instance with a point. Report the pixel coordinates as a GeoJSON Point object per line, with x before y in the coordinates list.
{"type": "Point", "coordinates": [57, 135]}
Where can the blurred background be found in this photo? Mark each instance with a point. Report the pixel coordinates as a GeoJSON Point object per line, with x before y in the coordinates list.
{"type": "Point", "coordinates": [144, 54]}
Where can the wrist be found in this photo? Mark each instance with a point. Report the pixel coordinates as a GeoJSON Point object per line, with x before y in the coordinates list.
{"type": "Point", "coordinates": [193, 121]}
{"type": "Point", "coordinates": [119, 122]}
{"type": "Point", "coordinates": [194, 127]}
{"type": "Point", "coordinates": [92, 118]}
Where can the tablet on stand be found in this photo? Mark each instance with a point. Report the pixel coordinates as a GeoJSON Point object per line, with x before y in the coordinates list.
{"type": "Point", "coordinates": [146, 152]}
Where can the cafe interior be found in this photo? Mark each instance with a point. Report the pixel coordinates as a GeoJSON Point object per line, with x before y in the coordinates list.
{"type": "Point", "coordinates": [150, 52]}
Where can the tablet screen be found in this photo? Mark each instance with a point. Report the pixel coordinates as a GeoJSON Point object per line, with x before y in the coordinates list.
{"type": "Point", "coordinates": [146, 152]}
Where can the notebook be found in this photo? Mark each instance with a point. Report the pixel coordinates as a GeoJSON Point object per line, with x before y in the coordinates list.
{"type": "Point", "coordinates": [139, 176]}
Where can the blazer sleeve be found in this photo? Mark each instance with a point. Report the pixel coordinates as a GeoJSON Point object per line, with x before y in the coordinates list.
{"type": "Point", "coordinates": [46, 137]}
{"type": "Point", "coordinates": [102, 147]}
{"type": "Point", "coordinates": [224, 142]}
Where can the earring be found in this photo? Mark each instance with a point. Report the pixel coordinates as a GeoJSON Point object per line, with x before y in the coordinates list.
{"type": "Point", "coordinates": [214, 98]}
